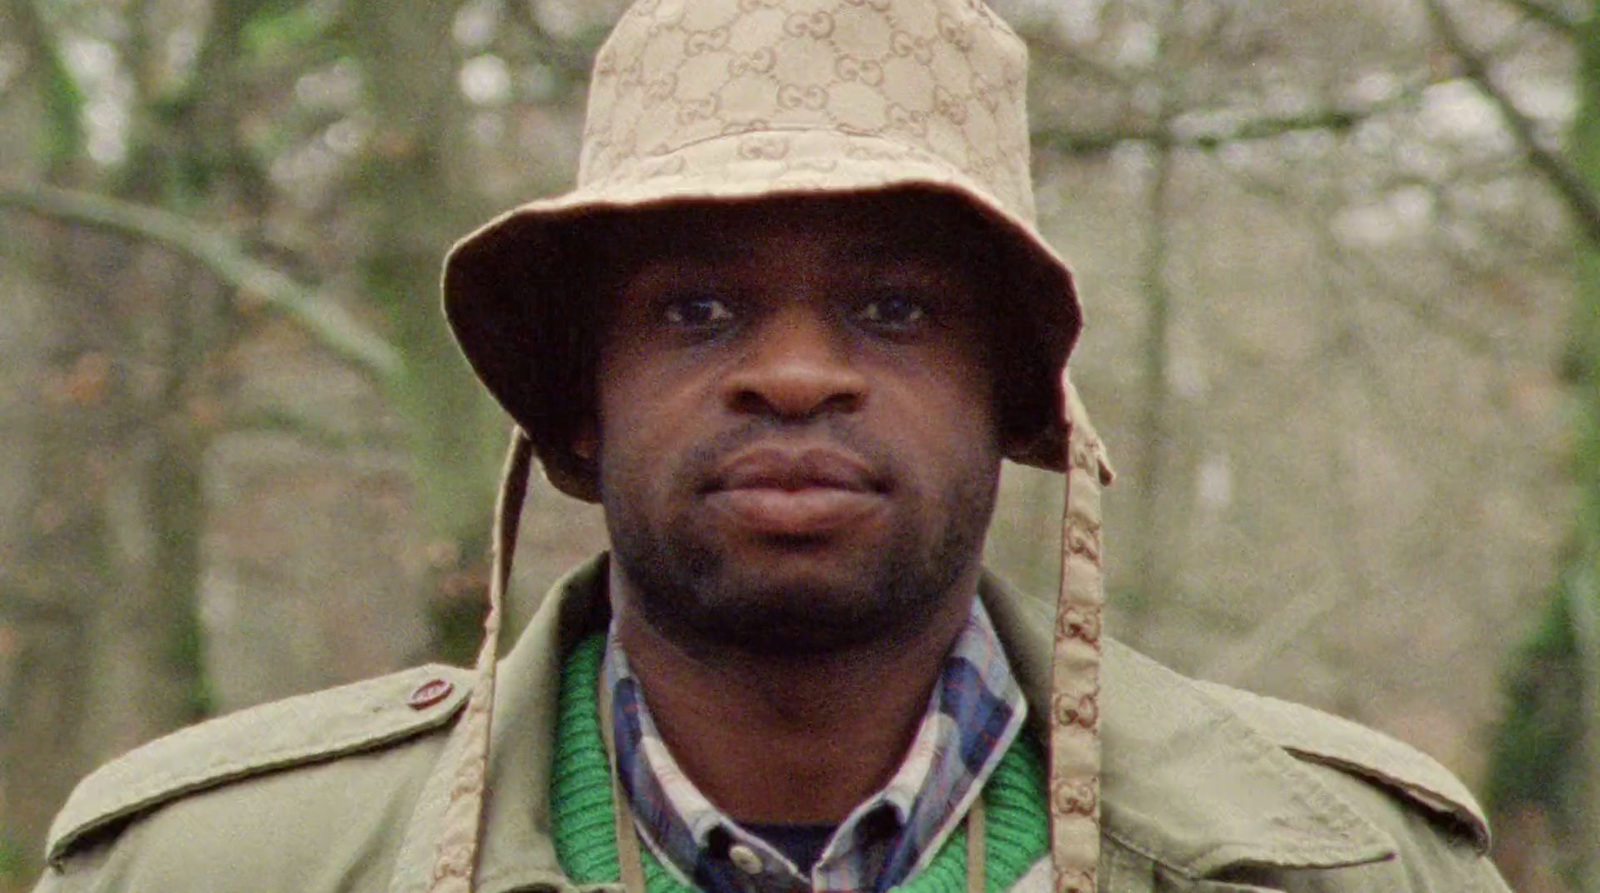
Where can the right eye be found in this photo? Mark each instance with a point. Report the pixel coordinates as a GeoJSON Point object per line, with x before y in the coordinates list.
{"type": "Point", "coordinates": [697, 312]}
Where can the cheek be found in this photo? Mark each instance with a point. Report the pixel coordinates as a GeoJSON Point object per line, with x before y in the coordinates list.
{"type": "Point", "coordinates": [621, 430]}
{"type": "Point", "coordinates": [615, 413]}
{"type": "Point", "coordinates": [625, 475]}
{"type": "Point", "coordinates": [954, 392]}
{"type": "Point", "coordinates": [643, 409]}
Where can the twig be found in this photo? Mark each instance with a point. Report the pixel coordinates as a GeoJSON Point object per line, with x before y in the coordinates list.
{"type": "Point", "coordinates": [1568, 182]}
{"type": "Point", "coordinates": [1334, 120]}
{"type": "Point", "coordinates": [575, 61]}
{"type": "Point", "coordinates": [1421, 311]}
{"type": "Point", "coordinates": [1060, 57]}
{"type": "Point", "coordinates": [1544, 15]}
{"type": "Point", "coordinates": [256, 282]}
{"type": "Point", "coordinates": [305, 427]}
{"type": "Point", "coordinates": [25, 606]}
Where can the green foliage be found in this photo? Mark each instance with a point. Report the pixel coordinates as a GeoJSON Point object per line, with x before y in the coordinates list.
{"type": "Point", "coordinates": [1545, 751]}
{"type": "Point", "coordinates": [12, 863]}
{"type": "Point", "coordinates": [282, 26]}
{"type": "Point", "coordinates": [64, 100]}
{"type": "Point", "coordinates": [458, 599]}
{"type": "Point", "coordinates": [1537, 756]}
{"type": "Point", "coordinates": [457, 628]}
{"type": "Point", "coordinates": [188, 643]}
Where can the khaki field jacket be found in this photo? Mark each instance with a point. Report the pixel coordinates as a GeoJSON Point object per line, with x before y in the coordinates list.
{"type": "Point", "coordinates": [1206, 789]}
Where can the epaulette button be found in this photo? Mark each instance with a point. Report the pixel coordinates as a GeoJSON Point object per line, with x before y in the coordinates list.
{"type": "Point", "coordinates": [430, 693]}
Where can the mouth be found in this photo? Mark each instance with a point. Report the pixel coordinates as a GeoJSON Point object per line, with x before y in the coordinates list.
{"type": "Point", "coordinates": [795, 493]}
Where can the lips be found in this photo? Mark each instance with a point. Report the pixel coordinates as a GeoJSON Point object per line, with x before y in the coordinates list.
{"type": "Point", "coordinates": [773, 468]}
{"type": "Point", "coordinates": [795, 493]}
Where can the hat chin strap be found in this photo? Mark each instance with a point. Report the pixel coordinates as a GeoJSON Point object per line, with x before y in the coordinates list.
{"type": "Point", "coordinates": [1074, 778]}
{"type": "Point", "coordinates": [1074, 785]}
{"type": "Point", "coordinates": [457, 856]}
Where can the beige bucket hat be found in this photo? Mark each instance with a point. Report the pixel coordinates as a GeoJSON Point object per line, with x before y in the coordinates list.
{"type": "Point", "coordinates": [722, 101]}
{"type": "Point", "coordinates": [746, 100]}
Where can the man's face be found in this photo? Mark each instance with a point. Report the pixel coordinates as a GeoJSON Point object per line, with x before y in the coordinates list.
{"type": "Point", "coordinates": [797, 446]}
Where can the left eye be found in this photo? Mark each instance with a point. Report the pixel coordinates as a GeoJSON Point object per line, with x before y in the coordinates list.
{"type": "Point", "coordinates": [892, 311]}
{"type": "Point", "coordinates": [697, 311]}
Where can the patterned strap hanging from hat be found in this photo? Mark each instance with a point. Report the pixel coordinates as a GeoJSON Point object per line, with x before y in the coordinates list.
{"type": "Point", "coordinates": [1074, 786]}
{"type": "Point", "coordinates": [457, 856]}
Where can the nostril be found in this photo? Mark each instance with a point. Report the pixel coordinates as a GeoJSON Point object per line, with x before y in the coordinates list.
{"type": "Point", "coordinates": [844, 402]}
{"type": "Point", "coordinates": [755, 402]}
{"type": "Point", "coordinates": [796, 396]}
{"type": "Point", "coordinates": [797, 367]}
{"type": "Point", "coordinates": [748, 402]}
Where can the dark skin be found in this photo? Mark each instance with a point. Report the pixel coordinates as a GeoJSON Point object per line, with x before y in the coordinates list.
{"type": "Point", "coordinates": [798, 456]}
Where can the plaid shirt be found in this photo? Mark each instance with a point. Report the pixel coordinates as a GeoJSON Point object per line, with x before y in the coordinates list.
{"type": "Point", "coordinates": [974, 713]}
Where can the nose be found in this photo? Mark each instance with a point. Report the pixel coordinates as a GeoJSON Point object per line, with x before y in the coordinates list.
{"type": "Point", "coordinates": [798, 367]}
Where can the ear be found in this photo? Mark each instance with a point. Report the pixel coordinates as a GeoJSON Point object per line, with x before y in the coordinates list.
{"type": "Point", "coordinates": [1013, 443]}
{"type": "Point", "coordinates": [1034, 443]}
{"type": "Point", "coordinates": [586, 440]}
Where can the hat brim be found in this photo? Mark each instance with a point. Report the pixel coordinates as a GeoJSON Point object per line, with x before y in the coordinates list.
{"type": "Point", "coordinates": [518, 306]}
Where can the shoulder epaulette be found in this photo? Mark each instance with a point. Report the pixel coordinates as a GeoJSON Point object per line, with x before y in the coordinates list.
{"type": "Point", "coordinates": [296, 731]}
{"type": "Point", "coordinates": [1319, 737]}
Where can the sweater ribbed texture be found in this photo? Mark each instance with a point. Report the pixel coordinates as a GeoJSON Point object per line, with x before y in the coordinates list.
{"type": "Point", "coordinates": [1018, 828]}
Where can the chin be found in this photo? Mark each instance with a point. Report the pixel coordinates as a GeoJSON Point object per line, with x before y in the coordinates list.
{"type": "Point", "coordinates": [707, 584]}
{"type": "Point", "coordinates": [794, 605]}
{"type": "Point", "coordinates": [775, 623]}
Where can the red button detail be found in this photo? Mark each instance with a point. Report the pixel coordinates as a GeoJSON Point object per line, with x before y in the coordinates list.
{"type": "Point", "coordinates": [429, 693]}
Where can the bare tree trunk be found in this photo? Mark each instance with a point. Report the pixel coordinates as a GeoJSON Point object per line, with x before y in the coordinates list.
{"type": "Point", "coordinates": [1154, 572]}
{"type": "Point", "coordinates": [43, 590]}
{"type": "Point", "coordinates": [85, 554]}
{"type": "Point", "coordinates": [414, 209]}
{"type": "Point", "coordinates": [117, 434]}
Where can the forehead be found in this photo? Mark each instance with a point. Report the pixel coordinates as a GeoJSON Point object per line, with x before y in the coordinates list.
{"type": "Point", "coordinates": [931, 230]}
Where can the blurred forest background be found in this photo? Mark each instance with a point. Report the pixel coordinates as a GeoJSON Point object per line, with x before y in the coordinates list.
{"type": "Point", "coordinates": [1341, 259]}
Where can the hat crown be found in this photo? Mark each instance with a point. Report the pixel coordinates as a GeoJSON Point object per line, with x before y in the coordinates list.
{"type": "Point", "coordinates": [757, 81]}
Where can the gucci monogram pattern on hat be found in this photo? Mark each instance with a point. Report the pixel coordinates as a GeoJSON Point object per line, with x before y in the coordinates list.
{"type": "Point", "coordinates": [806, 90]}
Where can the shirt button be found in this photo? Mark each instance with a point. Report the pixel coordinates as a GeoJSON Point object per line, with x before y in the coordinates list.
{"type": "Point", "coordinates": [744, 859]}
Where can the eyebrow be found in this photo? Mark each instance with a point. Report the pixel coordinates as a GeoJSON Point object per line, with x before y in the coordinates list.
{"type": "Point", "coordinates": [690, 244]}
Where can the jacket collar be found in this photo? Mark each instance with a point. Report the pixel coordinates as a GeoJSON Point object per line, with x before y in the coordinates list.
{"type": "Point", "coordinates": [1185, 781]}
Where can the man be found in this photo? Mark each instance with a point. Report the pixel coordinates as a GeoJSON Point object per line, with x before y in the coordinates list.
{"type": "Point", "coordinates": [784, 331]}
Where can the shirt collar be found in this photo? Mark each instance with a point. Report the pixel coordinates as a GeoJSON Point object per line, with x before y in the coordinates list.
{"type": "Point", "coordinates": [974, 713]}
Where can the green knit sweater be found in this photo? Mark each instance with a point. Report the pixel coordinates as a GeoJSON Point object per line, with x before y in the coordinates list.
{"type": "Point", "coordinates": [1017, 826]}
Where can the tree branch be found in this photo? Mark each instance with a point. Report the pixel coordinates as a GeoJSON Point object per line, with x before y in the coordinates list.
{"type": "Point", "coordinates": [1544, 15]}
{"type": "Point", "coordinates": [1378, 286]}
{"type": "Point", "coordinates": [23, 601]}
{"type": "Point", "coordinates": [573, 60]}
{"type": "Point", "coordinates": [346, 336]}
{"type": "Point", "coordinates": [1568, 183]}
{"type": "Point", "coordinates": [1334, 120]}
{"type": "Point", "coordinates": [1054, 55]}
